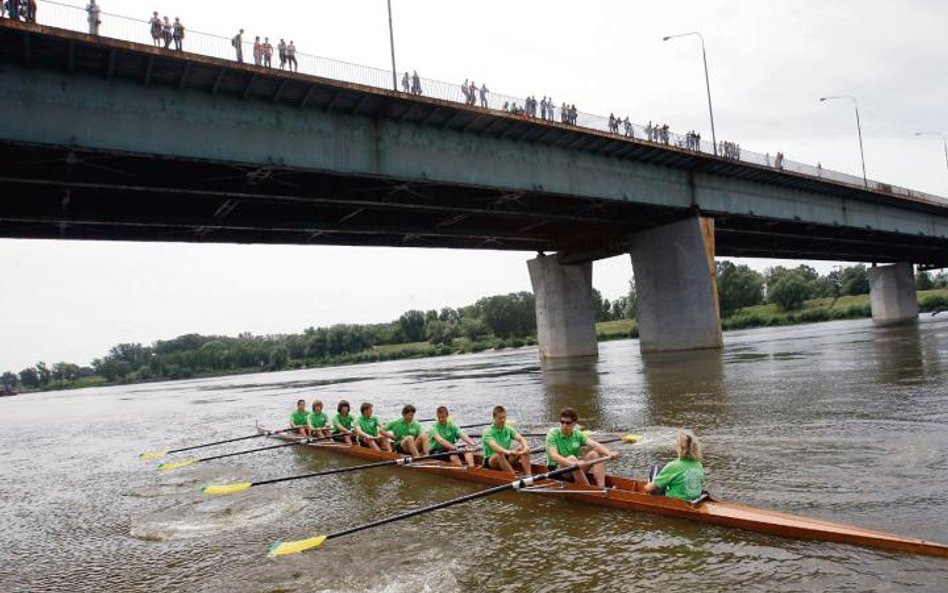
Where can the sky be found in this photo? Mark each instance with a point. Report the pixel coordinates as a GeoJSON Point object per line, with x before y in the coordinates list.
{"type": "Point", "coordinates": [769, 63]}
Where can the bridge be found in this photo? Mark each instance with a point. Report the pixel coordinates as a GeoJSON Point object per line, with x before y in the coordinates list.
{"type": "Point", "coordinates": [109, 139]}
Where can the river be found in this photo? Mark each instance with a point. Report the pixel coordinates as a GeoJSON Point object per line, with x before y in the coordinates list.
{"type": "Point", "coordinates": [840, 420]}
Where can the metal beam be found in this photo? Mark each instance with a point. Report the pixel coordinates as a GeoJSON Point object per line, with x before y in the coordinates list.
{"type": "Point", "coordinates": [27, 49]}
{"type": "Point", "coordinates": [184, 75]}
{"type": "Point", "coordinates": [110, 68]}
{"type": "Point", "coordinates": [148, 66]}
{"type": "Point", "coordinates": [71, 57]}
{"type": "Point", "coordinates": [307, 96]}
{"type": "Point", "coordinates": [253, 78]}
{"type": "Point", "coordinates": [217, 81]}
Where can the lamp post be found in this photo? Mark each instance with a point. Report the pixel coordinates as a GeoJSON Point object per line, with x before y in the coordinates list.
{"type": "Point", "coordinates": [944, 139]}
{"type": "Point", "coordinates": [707, 81]}
{"type": "Point", "coordinates": [391, 40]}
{"type": "Point", "coordinates": [862, 155]}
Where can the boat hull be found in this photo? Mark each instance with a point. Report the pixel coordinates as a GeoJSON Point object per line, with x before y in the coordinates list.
{"type": "Point", "coordinates": [627, 494]}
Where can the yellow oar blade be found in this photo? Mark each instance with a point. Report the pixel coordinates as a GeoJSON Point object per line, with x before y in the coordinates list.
{"type": "Point", "coordinates": [511, 421]}
{"type": "Point", "coordinates": [226, 488]}
{"type": "Point", "coordinates": [631, 438]}
{"type": "Point", "coordinates": [152, 454]}
{"type": "Point", "coordinates": [301, 545]}
{"type": "Point", "coordinates": [176, 464]}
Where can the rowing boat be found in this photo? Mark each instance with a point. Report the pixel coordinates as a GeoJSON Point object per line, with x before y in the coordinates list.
{"type": "Point", "coordinates": [628, 494]}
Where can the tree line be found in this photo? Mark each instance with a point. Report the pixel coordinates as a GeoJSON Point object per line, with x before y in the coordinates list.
{"type": "Point", "coordinates": [495, 321]}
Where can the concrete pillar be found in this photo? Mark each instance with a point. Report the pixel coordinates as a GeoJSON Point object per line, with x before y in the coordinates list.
{"type": "Point", "coordinates": [566, 321]}
{"type": "Point", "coordinates": [892, 293]}
{"type": "Point", "coordinates": [676, 287]}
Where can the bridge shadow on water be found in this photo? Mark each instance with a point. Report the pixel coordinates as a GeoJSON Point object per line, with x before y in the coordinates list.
{"type": "Point", "coordinates": [684, 388]}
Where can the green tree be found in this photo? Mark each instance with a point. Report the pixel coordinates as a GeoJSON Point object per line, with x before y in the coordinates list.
{"type": "Point", "coordinates": [738, 287]}
{"type": "Point", "coordinates": [601, 306]}
{"type": "Point", "coordinates": [923, 281]}
{"type": "Point", "coordinates": [855, 280]}
{"type": "Point", "coordinates": [474, 328]}
{"type": "Point", "coordinates": [279, 357]}
{"type": "Point", "coordinates": [441, 332]}
{"type": "Point", "coordinates": [632, 301]}
{"type": "Point", "coordinates": [29, 378]}
{"type": "Point", "coordinates": [412, 324]}
{"type": "Point", "coordinates": [45, 375]}
{"type": "Point", "coordinates": [8, 382]}
{"type": "Point", "coordinates": [789, 292]}
{"type": "Point", "coordinates": [508, 315]}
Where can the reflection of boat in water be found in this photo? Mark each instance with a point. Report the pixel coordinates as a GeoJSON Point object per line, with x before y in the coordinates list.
{"type": "Point", "coordinates": [627, 494]}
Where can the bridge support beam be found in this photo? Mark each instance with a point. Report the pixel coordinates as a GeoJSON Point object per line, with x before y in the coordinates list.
{"type": "Point", "coordinates": [676, 288]}
{"type": "Point", "coordinates": [892, 293]}
{"type": "Point", "coordinates": [566, 321]}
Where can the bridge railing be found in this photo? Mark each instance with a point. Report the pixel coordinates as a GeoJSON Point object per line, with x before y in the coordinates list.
{"type": "Point", "coordinates": [75, 18]}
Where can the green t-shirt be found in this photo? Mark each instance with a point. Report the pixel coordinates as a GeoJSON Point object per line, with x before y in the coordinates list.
{"type": "Point", "coordinates": [369, 426]}
{"type": "Point", "coordinates": [502, 436]}
{"type": "Point", "coordinates": [341, 421]}
{"type": "Point", "coordinates": [298, 418]}
{"type": "Point", "coordinates": [565, 445]}
{"type": "Point", "coordinates": [681, 478]}
{"type": "Point", "coordinates": [448, 431]}
{"type": "Point", "coordinates": [402, 429]}
{"type": "Point", "coordinates": [318, 420]}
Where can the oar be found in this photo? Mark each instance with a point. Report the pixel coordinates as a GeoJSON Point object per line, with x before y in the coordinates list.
{"type": "Point", "coordinates": [156, 454]}
{"type": "Point", "coordinates": [193, 460]}
{"type": "Point", "coordinates": [294, 547]}
{"type": "Point", "coordinates": [509, 421]}
{"type": "Point", "coordinates": [239, 487]}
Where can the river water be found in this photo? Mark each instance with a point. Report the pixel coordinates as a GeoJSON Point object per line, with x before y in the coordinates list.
{"type": "Point", "coordinates": [840, 420]}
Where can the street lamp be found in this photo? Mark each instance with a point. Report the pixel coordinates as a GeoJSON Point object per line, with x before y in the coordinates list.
{"type": "Point", "coordinates": [862, 154]}
{"type": "Point", "coordinates": [707, 81]}
{"type": "Point", "coordinates": [391, 40]}
{"type": "Point", "coordinates": [944, 139]}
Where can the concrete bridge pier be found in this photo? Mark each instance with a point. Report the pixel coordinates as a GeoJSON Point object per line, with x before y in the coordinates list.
{"type": "Point", "coordinates": [676, 287]}
{"type": "Point", "coordinates": [892, 293]}
{"type": "Point", "coordinates": [566, 320]}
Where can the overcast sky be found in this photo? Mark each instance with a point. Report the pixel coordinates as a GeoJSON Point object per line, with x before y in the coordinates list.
{"type": "Point", "coordinates": [769, 61]}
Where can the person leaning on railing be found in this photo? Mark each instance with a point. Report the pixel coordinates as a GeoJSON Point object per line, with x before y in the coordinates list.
{"type": "Point", "coordinates": [93, 18]}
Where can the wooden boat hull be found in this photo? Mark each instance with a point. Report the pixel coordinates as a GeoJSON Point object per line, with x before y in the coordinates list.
{"type": "Point", "coordinates": [627, 494]}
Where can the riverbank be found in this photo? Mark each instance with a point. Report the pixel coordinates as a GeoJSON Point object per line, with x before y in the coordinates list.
{"type": "Point", "coordinates": [812, 311]}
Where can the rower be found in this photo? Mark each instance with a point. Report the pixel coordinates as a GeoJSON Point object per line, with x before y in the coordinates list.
{"type": "Point", "coordinates": [682, 478]}
{"type": "Point", "coordinates": [342, 424]}
{"type": "Point", "coordinates": [299, 419]}
{"type": "Point", "coordinates": [318, 420]}
{"type": "Point", "coordinates": [497, 440]}
{"type": "Point", "coordinates": [367, 429]}
{"type": "Point", "coordinates": [443, 436]}
{"type": "Point", "coordinates": [407, 433]}
{"type": "Point", "coordinates": [564, 448]}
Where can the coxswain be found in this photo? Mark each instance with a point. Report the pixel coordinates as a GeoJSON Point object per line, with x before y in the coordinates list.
{"type": "Point", "coordinates": [682, 478]}
{"type": "Point", "coordinates": [499, 449]}
{"type": "Point", "coordinates": [564, 447]}
{"type": "Point", "coordinates": [367, 429]}
{"type": "Point", "coordinates": [318, 421]}
{"type": "Point", "coordinates": [406, 433]}
{"type": "Point", "coordinates": [444, 435]}
{"type": "Point", "coordinates": [342, 424]}
{"type": "Point", "coordinates": [299, 419]}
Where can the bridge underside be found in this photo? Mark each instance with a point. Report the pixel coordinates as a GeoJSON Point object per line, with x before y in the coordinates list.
{"type": "Point", "coordinates": [60, 192]}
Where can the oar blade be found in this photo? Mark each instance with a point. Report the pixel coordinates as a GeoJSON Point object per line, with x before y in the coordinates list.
{"type": "Point", "coordinates": [152, 454]}
{"type": "Point", "coordinates": [226, 488]}
{"type": "Point", "coordinates": [631, 438]}
{"type": "Point", "coordinates": [177, 464]}
{"type": "Point", "coordinates": [295, 547]}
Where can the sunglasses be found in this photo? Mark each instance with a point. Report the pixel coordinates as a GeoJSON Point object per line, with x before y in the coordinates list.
{"type": "Point", "coordinates": [567, 422]}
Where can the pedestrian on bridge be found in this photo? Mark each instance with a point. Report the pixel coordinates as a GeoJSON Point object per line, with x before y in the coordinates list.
{"type": "Point", "coordinates": [238, 43]}
{"type": "Point", "coordinates": [415, 83]}
{"type": "Point", "coordinates": [484, 92]}
{"type": "Point", "coordinates": [281, 50]}
{"type": "Point", "coordinates": [31, 11]}
{"type": "Point", "coordinates": [406, 83]}
{"type": "Point", "coordinates": [94, 20]}
{"type": "Point", "coordinates": [13, 7]}
{"type": "Point", "coordinates": [166, 32]}
{"type": "Point", "coordinates": [178, 34]}
{"type": "Point", "coordinates": [154, 27]}
{"type": "Point", "coordinates": [267, 53]}
{"type": "Point", "coordinates": [257, 51]}
{"type": "Point", "coordinates": [291, 56]}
